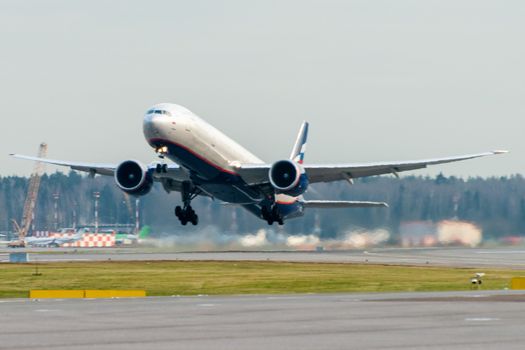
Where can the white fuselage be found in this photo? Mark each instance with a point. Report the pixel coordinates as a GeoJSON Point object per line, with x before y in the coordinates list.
{"type": "Point", "coordinates": [185, 129]}
{"type": "Point", "coordinates": [199, 147]}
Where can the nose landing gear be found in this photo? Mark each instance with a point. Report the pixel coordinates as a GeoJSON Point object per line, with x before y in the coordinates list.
{"type": "Point", "coordinates": [161, 168]}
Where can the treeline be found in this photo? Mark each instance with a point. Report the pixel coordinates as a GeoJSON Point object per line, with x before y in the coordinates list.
{"type": "Point", "coordinates": [497, 205]}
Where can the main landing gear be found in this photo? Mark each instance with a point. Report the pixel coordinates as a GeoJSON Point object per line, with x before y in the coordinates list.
{"type": "Point", "coordinates": [186, 213]}
{"type": "Point", "coordinates": [272, 214]}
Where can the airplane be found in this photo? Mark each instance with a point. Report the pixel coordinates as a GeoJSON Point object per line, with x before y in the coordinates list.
{"type": "Point", "coordinates": [208, 163]}
{"type": "Point", "coordinates": [52, 241]}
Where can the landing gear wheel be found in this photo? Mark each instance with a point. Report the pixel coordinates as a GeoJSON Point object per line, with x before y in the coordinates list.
{"type": "Point", "coordinates": [272, 215]}
{"type": "Point", "coordinates": [161, 168]}
{"type": "Point", "coordinates": [186, 215]}
{"type": "Point", "coordinates": [195, 220]}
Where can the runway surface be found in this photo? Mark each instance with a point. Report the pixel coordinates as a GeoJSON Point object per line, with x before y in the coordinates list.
{"type": "Point", "coordinates": [471, 320]}
{"type": "Point", "coordinates": [457, 257]}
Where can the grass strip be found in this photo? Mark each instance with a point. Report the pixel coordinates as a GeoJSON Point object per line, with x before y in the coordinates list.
{"type": "Point", "coordinates": [160, 278]}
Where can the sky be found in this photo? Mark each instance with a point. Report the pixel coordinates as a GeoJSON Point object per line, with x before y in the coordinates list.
{"type": "Point", "coordinates": [377, 80]}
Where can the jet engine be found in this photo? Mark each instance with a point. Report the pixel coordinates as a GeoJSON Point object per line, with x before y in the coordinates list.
{"type": "Point", "coordinates": [133, 178]}
{"type": "Point", "coordinates": [288, 177]}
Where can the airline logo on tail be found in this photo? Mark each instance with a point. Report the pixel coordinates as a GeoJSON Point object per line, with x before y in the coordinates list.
{"type": "Point", "coordinates": [300, 144]}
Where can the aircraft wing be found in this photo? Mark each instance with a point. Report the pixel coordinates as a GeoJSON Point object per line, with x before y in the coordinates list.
{"type": "Point", "coordinates": [327, 173]}
{"type": "Point", "coordinates": [172, 177]}
{"type": "Point", "coordinates": [342, 204]}
{"type": "Point", "coordinates": [257, 174]}
{"type": "Point", "coordinates": [92, 168]}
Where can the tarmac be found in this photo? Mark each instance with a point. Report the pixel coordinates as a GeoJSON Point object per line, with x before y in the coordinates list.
{"type": "Point", "coordinates": [455, 257]}
{"type": "Point", "coordinates": [451, 320]}
{"type": "Point", "coordinates": [460, 320]}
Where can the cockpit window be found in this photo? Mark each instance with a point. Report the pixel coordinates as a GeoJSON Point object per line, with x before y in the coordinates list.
{"type": "Point", "coordinates": [158, 111]}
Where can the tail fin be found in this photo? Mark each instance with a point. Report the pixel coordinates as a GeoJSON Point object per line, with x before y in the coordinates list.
{"type": "Point", "coordinates": [300, 144]}
{"type": "Point", "coordinates": [144, 232]}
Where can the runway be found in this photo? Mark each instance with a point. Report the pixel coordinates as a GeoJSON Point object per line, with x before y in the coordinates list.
{"type": "Point", "coordinates": [472, 320]}
{"type": "Point", "coordinates": [457, 257]}
{"type": "Point", "coordinates": [452, 320]}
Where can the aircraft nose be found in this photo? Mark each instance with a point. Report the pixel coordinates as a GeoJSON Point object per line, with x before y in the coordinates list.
{"type": "Point", "coordinates": [152, 125]}
{"type": "Point", "coordinates": [158, 124]}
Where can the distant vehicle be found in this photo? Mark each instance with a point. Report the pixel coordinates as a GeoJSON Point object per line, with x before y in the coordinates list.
{"type": "Point", "coordinates": [16, 244]}
{"type": "Point", "coordinates": [3, 240]}
{"type": "Point", "coordinates": [126, 238]}
{"type": "Point", "coordinates": [211, 164]}
{"type": "Point", "coordinates": [132, 238]}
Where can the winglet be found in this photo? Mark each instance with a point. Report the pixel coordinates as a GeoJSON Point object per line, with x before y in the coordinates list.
{"type": "Point", "coordinates": [500, 151]}
{"type": "Point", "coordinates": [300, 144]}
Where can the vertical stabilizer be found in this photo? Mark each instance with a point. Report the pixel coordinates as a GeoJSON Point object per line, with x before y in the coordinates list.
{"type": "Point", "coordinates": [300, 144]}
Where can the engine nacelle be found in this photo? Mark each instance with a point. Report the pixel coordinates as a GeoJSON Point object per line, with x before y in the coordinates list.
{"type": "Point", "coordinates": [133, 178]}
{"type": "Point", "coordinates": [288, 177]}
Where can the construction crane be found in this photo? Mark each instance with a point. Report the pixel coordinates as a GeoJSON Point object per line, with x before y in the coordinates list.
{"type": "Point", "coordinates": [30, 202]}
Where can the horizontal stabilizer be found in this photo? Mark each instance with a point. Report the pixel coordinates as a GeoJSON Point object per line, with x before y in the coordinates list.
{"type": "Point", "coordinates": [342, 204]}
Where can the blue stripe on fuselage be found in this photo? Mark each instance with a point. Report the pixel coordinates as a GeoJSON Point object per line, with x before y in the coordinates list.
{"type": "Point", "coordinates": [223, 184]}
{"type": "Point", "coordinates": [194, 162]}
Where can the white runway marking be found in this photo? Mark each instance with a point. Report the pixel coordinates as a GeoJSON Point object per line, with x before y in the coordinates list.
{"type": "Point", "coordinates": [45, 310]}
{"type": "Point", "coordinates": [501, 252]}
{"type": "Point", "coordinates": [481, 319]}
